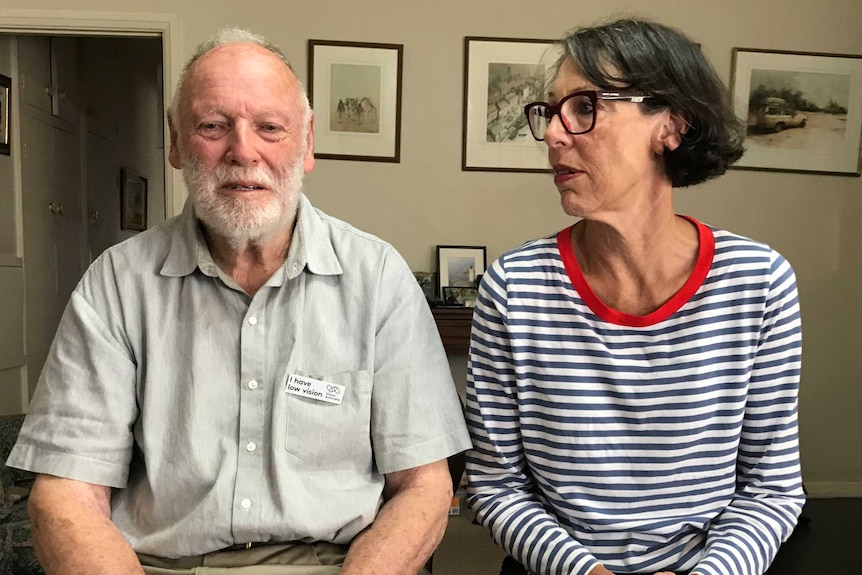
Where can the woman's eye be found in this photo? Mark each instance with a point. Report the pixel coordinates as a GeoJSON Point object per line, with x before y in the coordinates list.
{"type": "Point", "coordinates": [585, 107]}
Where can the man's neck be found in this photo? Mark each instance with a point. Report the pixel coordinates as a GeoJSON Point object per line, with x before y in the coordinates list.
{"type": "Point", "coordinates": [250, 263]}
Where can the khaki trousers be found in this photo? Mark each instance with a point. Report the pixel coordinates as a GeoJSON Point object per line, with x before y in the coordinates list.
{"type": "Point", "coordinates": [318, 558]}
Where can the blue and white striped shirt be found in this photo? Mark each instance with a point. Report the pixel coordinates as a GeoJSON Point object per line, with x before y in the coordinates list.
{"type": "Point", "coordinates": [644, 443]}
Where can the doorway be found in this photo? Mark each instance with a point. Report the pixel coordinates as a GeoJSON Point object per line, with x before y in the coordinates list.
{"type": "Point", "coordinates": [69, 160]}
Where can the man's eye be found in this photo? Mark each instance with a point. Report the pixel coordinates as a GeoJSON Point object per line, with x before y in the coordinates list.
{"type": "Point", "coordinates": [211, 127]}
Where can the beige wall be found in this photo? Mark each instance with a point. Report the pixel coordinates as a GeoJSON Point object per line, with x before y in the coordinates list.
{"type": "Point", "coordinates": [427, 200]}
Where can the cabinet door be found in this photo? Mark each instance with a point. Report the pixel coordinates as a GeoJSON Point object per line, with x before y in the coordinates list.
{"type": "Point", "coordinates": [34, 62]}
{"type": "Point", "coordinates": [40, 255]}
{"type": "Point", "coordinates": [64, 77]}
{"type": "Point", "coordinates": [68, 219]}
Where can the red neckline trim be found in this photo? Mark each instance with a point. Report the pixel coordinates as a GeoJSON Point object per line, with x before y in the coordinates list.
{"type": "Point", "coordinates": [706, 251]}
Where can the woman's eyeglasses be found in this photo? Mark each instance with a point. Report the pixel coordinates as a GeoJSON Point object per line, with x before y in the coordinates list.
{"type": "Point", "coordinates": [577, 111]}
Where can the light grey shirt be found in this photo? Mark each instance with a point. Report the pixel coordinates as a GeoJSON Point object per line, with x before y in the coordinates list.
{"type": "Point", "coordinates": [168, 382]}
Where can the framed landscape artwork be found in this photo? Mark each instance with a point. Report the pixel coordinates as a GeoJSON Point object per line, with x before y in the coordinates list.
{"type": "Point", "coordinates": [501, 76]}
{"type": "Point", "coordinates": [355, 91]}
{"type": "Point", "coordinates": [803, 110]}
{"type": "Point", "coordinates": [459, 266]}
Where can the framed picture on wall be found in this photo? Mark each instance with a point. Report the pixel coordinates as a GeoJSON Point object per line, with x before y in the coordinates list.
{"type": "Point", "coordinates": [501, 76]}
{"type": "Point", "coordinates": [459, 266]}
{"type": "Point", "coordinates": [5, 96]}
{"type": "Point", "coordinates": [803, 110]}
{"type": "Point", "coordinates": [133, 201]}
{"type": "Point", "coordinates": [355, 91]}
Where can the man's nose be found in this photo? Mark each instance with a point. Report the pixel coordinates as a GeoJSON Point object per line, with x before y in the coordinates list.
{"type": "Point", "coordinates": [242, 150]}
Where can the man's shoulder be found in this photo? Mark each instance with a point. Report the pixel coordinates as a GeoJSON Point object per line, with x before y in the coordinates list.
{"type": "Point", "coordinates": [142, 253]}
{"type": "Point", "coordinates": [343, 234]}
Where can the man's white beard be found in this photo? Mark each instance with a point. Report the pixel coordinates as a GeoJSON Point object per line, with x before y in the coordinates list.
{"type": "Point", "coordinates": [237, 220]}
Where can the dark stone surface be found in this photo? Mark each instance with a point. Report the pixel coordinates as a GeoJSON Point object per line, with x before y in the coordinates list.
{"type": "Point", "coordinates": [16, 548]}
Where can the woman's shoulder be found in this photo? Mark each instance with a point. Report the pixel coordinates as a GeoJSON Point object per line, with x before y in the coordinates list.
{"type": "Point", "coordinates": [532, 251]}
{"type": "Point", "coordinates": [735, 249]}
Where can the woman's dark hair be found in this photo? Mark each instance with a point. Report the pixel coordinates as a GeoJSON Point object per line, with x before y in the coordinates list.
{"type": "Point", "coordinates": [664, 63]}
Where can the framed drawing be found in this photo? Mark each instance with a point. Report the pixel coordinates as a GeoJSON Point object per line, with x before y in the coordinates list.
{"type": "Point", "coordinates": [355, 92]}
{"type": "Point", "coordinates": [501, 75]}
{"type": "Point", "coordinates": [458, 266]}
{"type": "Point", "coordinates": [5, 97]}
{"type": "Point", "coordinates": [803, 110]}
{"type": "Point", "coordinates": [133, 201]}
{"type": "Point", "coordinates": [460, 296]}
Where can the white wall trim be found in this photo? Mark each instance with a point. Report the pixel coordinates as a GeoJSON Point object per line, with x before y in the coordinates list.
{"type": "Point", "coordinates": [825, 489]}
{"type": "Point", "coordinates": [7, 261]}
{"type": "Point", "coordinates": [88, 23]}
{"type": "Point", "coordinates": [10, 362]}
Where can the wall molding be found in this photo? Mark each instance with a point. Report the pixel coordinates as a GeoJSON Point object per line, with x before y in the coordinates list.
{"type": "Point", "coordinates": [7, 261]}
{"type": "Point", "coordinates": [827, 489]}
{"type": "Point", "coordinates": [12, 362]}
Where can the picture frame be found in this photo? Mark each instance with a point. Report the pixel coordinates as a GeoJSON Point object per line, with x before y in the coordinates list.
{"type": "Point", "coordinates": [426, 281]}
{"type": "Point", "coordinates": [133, 201]}
{"type": "Point", "coordinates": [458, 266]}
{"type": "Point", "coordinates": [501, 76]}
{"type": "Point", "coordinates": [355, 92]}
{"type": "Point", "coordinates": [802, 110]}
{"type": "Point", "coordinates": [459, 296]}
{"type": "Point", "coordinates": [5, 100]}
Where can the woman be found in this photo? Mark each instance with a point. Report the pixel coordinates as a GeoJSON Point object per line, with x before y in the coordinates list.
{"type": "Point", "coordinates": [632, 383]}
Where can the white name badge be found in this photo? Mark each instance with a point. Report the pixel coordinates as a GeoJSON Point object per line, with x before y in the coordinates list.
{"type": "Point", "coordinates": [314, 389]}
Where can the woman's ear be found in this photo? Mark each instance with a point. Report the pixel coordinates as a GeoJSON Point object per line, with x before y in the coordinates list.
{"type": "Point", "coordinates": [672, 130]}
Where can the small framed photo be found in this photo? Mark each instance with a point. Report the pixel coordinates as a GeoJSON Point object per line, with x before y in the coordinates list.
{"type": "Point", "coordinates": [501, 76]}
{"type": "Point", "coordinates": [459, 266]}
{"type": "Point", "coordinates": [803, 111]}
{"type": "Point", "coordinates": [459, 296]}
{"type": "Point", "coordinates": [5, 99]}
{"type": "Point", "coordinates": [133, 201]}
{"type": "Point", "coordinates": [427, 283]}
{"type": "Point", "coordinates": [355, 92]}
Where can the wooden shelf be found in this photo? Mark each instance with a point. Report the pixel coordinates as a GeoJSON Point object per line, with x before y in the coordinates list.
{"type": "Point", "coordinates": [453, 323]}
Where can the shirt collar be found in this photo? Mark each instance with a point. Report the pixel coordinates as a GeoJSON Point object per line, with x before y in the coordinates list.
{"type": "Point", "coordinates": [310, 246]}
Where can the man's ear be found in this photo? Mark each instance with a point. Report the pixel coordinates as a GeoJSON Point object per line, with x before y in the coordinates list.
{"type": "Point", "coordinates": [671, 133]}
{"type": "Point", "coordinates": [308, 160]}
{"type": "Point", "coordinates": [174, 156]}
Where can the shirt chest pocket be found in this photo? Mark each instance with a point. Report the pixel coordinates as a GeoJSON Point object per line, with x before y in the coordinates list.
{"type": "Point", "coordinates": [328, 435]}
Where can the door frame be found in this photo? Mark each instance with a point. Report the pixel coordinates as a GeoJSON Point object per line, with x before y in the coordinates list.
{"type": "Point", "coordinates": [116, 24]}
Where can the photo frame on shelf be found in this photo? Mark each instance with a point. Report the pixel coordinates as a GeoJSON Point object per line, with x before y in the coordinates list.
{"type": "Point", "coordinates": [427, 283]}
{"type": "Point", "coordinates": [459, 296]}
{"type": "Point", "coordinates": [355, 92]}
{"type": "Point", "coordinates": [802, 110]}
{"type": "Point", "coordinates": [501, 76]}
{"type": "Point", "coordinates": [459, 266]}
{"type": "Point", "coordinates": [5, 99]}
{"type": "Point", "coordinates": [133, 201]}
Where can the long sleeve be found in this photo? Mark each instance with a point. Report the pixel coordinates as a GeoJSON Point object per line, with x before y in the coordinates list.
{"type": "Point", "coordinates": [745, 537]}
{"type": "Point", "coordinates": [502, 490]}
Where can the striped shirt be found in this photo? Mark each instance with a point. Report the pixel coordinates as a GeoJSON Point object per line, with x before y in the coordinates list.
{"type": "Point", "coordinates": [643, 443]}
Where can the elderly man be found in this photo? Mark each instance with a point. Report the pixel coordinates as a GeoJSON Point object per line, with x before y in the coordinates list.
{"type": "Point", "coordinates": [259, 383]}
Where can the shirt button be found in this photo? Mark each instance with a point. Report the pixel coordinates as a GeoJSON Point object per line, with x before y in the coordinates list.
{"type": "Point", "coordinates": [252, 320]}
{"type": "Point", "coordinates": [245, 503]}
{"type": "Point", "coordinates": [251, 446]}
{"type": "Point", "coordinates": [252, 384]}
